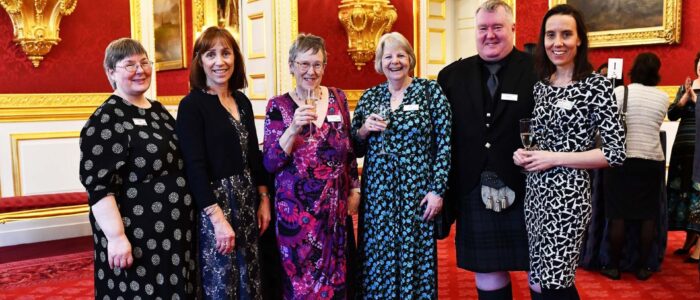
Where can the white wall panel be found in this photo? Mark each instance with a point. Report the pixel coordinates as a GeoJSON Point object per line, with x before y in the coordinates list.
{"type": "Point", "coordinates": [45, 163]}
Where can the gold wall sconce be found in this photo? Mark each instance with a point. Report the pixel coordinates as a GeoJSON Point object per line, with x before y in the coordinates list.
{"type": "Point", "coordinates": [365, 21]}
{"type": "Point", "coordinates": [36, 24]}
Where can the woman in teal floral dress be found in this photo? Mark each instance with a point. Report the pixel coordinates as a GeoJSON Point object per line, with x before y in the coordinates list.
{"type": "Point", "coordinates": [407, 159]}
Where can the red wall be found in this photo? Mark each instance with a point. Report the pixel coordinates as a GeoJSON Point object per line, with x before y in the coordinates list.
{"type": "Point", "coordinates": [75, 64]}
{"type": "Point", "coordinates": [176, 82]}
{"type": "Point", "coordinates": [676, 60]}
{"type": "Point", "coordinates": [320, 17]}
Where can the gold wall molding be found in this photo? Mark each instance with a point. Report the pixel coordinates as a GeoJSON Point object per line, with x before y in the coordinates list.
{"type": "Point", "coordinates": [135, 13]}
{"type": "Point", "coordinates": [15, 138]}
{"type": "Point", "coordinates": [56, 107]}
{"type": "Point", "coordinates": [442, 14]}
{"type": "Point", "coordinates": [43, 213]}
{"type": "Point", "coordinates": [365, 21]}
{"type": "Point", "coordinates": [36, 24]}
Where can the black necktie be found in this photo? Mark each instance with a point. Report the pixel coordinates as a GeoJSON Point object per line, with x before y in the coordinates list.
{"type": "Point", "coordinates": [492, 82]}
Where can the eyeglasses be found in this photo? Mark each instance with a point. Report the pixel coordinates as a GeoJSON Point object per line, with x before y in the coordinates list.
{"type": "Point", "coordinates": [304, 66]}
{"type": "Point", "coordinates": [131, 68]}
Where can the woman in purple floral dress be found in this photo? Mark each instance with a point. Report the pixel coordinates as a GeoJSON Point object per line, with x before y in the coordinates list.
{"type": "Point", "coordinates": [308, 149]}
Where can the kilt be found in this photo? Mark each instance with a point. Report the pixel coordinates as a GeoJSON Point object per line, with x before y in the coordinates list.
{"type": "Point", "coordinates": [488, 241]}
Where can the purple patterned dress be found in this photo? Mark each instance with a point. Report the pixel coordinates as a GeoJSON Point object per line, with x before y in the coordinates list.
{"type": "Point", "coordinates": [313, 184]}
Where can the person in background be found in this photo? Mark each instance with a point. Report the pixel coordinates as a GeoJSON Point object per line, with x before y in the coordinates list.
{"type": "Point", "coordinates": [485, 134]}
{"type": "Point", "coordinates": [402, 128]}
{"type": "Point", "coordinates": [216, 127]}
{"type": "Point", "coordinates": [141, 211]}
{"type": "Point", "coordinates": [684, 192]}
{"type": "Point", "coordinates": [632, 192]}
{"type": "Point", "coordinates": [572, 105]}
{"type": "Point", "coordinates": [308, 149]}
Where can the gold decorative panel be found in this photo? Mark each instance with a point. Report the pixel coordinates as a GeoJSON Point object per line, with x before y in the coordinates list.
{"type": "Point", "coordinates": [36, 24]}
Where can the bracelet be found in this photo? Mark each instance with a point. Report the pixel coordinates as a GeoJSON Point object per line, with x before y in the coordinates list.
{"type": "Point", "coordinates": [264, 194]}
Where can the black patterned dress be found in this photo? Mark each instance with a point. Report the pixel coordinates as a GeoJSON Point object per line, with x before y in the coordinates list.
{"type": "Point", "coordinates": [558, 200]}
{"type": "Point", "coordinates": [396, 247]}
{"type": "Point", "coordinates": [234, 276]}
{"type": "Point", "coordinates": [133, 154]}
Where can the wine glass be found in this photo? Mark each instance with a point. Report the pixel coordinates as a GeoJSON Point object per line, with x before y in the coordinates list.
{"type": "Point", "coordinates": [526, 136]}
{"type": "Point", "coordinates": [383, 110]}
{"type": "Point", "coordinates": [311, 99]}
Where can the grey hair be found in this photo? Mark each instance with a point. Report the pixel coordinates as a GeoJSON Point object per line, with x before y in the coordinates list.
{"type": "Point", "coordinates": [492, 5]}
{"type": "Point", "coordinates": [395, 39]}
{"type": "Point", "coordinates": [120, 49]}
{"type": "Point", "coordinates": [306, 42]}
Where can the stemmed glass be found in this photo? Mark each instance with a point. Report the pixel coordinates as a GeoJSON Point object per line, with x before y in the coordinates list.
{"type": "Point", "coordinates": [311, 99]}
{"type": "Point", "coordinates": [383, 110]}
{"type": "Point", "coordinates": [526, 136]}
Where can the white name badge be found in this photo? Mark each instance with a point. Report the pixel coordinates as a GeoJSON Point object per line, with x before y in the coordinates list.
{"type": "Point", "coordinates": [565, 104]}
{"type": "Point", "coordinates": [509, 97]}
{"type": "Point", "coordinates": [334, 118]}
{"type": "Point", "coordinates": [139, 122]}
{"type": "Point", "coordinates": [411, 107]}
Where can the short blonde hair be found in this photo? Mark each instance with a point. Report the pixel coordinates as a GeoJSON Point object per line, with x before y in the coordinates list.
{"type": "Point", "coordinates": [492, 5]}
{"type": "Point", "coordinates": [393, 39]}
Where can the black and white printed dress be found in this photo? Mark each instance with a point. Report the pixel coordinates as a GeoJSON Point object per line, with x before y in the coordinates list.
{"type": "Point", "coordinates": [558, 200]}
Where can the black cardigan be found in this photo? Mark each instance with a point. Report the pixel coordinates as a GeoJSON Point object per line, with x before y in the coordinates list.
{"type": "Point", "coordinates": [210, 144]}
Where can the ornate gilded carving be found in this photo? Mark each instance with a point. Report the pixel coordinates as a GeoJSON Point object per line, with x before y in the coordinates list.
{"type": "Point", "coordinates": [34, 31]}
{"type": "Point", "coordinates": [365, 21]}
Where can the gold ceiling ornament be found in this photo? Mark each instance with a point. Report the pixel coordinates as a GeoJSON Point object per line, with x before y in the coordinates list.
{"type": "Point", "coordinates": [365, 21]}
{"type": "Point", "coordinates": [36, 24]}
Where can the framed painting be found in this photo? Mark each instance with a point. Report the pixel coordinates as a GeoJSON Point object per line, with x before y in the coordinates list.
{"type": "Point", "coordinates": [169, 33]}
{"type": "Point", "coordinates": [629, 22]}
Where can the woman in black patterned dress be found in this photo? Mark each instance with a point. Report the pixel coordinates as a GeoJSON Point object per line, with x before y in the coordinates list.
{"type": "Point", "coordinates": [224, 167]}
{"type": "Point", "coordinates": [141, 212]}
{"type": "Point", "coordinates": [571, 105]}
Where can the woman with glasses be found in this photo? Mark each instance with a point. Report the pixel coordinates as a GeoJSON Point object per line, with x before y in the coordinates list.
{"type": "Point", "coordinates": [216, 127]}
{"type": "Point", "coordinates": [403, 129]}
{"type": "Point", "coordinates": [141, 211]}
{"type": "Point", "coordinates": [307, 147]}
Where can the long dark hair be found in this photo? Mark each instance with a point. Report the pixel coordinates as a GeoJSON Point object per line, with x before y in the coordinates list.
{"type": "Point", "coordinates": [582, 67]}
{"type": "Point", "coordinates": [206, 41]}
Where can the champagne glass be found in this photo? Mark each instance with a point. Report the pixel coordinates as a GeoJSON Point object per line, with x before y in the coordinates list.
{"type": "Point", "coordinates": [383, 110]}
{"type": "Point", "coordinates": [311, 99]}
{"type": "Point", "coordinates": [526, 136]}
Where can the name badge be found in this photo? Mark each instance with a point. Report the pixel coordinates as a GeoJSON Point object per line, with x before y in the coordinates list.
{"type": "Point", "coordinates": [509, 97]}
{"type": "Point", "coordinates": [334, 118]}
{"type": "Point", "coordinates": [139, 122]}
{"type": "Point", "coordinates": [565, 104]}
{"type": "Point", "coordinates": [411, 107]}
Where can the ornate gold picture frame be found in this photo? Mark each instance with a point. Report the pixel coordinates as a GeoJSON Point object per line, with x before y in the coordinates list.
{"type": "Point", "coordinates": [629, 22]}
{"type": "Point", "coordinates": [169, 32]}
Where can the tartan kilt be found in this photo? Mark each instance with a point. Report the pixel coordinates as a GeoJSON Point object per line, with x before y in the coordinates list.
{"type": "Point", "coordinates": [488, 241]}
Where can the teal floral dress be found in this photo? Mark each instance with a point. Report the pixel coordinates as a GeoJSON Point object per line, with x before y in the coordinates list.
{"type": "Point", "coordinates": [396, 248]}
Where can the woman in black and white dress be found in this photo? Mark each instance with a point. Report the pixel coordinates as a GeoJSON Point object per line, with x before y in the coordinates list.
{"type": "Point", "coordinates": [572, 104]}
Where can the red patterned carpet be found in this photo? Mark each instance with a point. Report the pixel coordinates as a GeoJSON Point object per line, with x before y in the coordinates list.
{"type": "Point", "coordinates": [69, 276]}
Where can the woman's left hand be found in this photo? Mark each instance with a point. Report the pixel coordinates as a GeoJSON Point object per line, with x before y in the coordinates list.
{"type": "Point", "coordinates": [434, 206]}
{"type": "Point", "coordinates": [353, 203]}
{"type": "Point", "coordinates": [535, 160]}
{"type": "Point", "coordinates": [264, 214]}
